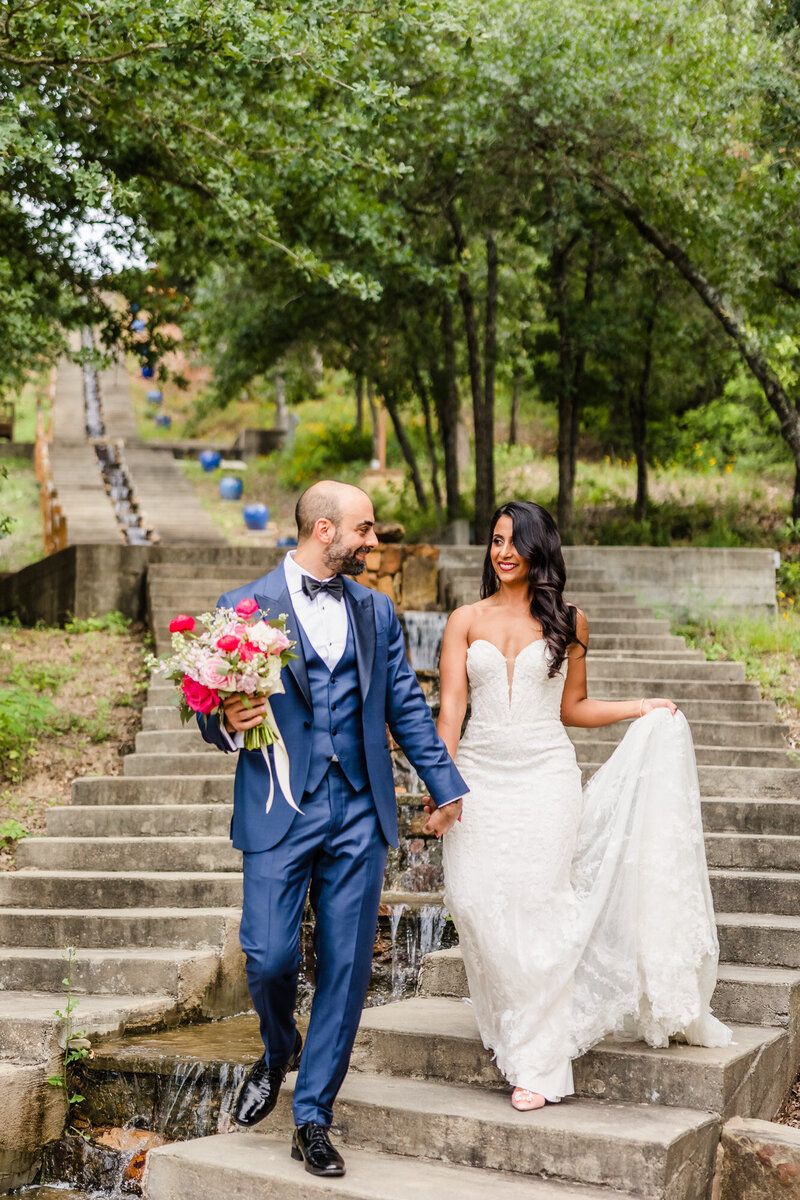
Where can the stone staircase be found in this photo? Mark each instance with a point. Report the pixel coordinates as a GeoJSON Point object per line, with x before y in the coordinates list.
{"type": "Point", "coordinates": [138, 874]}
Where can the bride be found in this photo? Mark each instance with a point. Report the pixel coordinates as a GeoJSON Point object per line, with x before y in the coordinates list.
{"type": "Point", "coordinates": [580, 912]}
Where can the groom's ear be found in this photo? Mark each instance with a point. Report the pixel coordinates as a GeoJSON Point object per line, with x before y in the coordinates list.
{"type": "Point", "coordinates": [324, 530]}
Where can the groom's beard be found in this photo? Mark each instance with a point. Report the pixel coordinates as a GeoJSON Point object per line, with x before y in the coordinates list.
{"type": "Point", "coordinates": [341, 561]}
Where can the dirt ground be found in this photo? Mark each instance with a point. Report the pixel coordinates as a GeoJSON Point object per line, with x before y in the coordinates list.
{"type": "Point", "coordinates": [96, 680]}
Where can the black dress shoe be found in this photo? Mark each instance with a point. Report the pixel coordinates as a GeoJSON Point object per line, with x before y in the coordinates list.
{"type": "Point", "coordinates": [259, 1092]}
{"type": "Point", "coordinates": [312, 1144]}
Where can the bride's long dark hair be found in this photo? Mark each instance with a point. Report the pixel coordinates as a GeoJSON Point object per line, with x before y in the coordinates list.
{"type": "Point", "coordinates": [536, 539]}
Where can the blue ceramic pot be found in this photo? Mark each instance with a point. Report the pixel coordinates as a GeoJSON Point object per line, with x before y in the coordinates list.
{"type": "Point", "coordinates": [210, 460]}
{"type": "Point", "coordinates": [154, 396]}
{"type": "Point", "coordinates": [288, 542]}
{"type": "Point", "coordinates": [230, 487]}
{"type": "Point", "coordinates": [163, 420]}
{"type": "Point", "coordinates": [148, 372]}
{"type": "Point", "coordinates": [256, 516]}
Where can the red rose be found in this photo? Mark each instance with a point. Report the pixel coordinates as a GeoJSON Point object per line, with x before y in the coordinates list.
{"type": "Point", "coordinates": [181, 624]}
{"type": "Point", "coordinates": [246, 608]}
{"type": "Point", "coordinates": [199, 697]}
{"type": "Point", "coordinates": [249, 651]}
{"type": "Point", "coordinates": [228, 642]}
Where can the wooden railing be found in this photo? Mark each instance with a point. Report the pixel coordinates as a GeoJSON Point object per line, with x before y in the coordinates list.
{"type": "Point", "coordinates": [54, 523]}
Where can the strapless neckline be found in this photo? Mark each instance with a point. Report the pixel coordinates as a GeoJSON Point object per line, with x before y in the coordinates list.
{"type": "Point", "coordinates": [510, 663]}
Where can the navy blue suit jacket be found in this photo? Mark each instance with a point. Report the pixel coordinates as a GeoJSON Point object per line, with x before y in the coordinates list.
{"type": "Point", "coordinates": [390, 695]}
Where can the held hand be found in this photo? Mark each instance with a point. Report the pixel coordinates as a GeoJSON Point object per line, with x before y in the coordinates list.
{"type": "Point", "coordinates": [243, 712]}
{"type": "Point", "coordinates": [441, 819]}
{"type": "Point", "coordinates": [657, 702]}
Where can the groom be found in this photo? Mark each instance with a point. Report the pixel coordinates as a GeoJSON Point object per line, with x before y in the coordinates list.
{"type": "Point", "coordinates": [349, 680]}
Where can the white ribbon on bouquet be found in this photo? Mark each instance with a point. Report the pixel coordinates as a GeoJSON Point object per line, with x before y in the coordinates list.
{"type": "Point", "coordinates": [281, 758]}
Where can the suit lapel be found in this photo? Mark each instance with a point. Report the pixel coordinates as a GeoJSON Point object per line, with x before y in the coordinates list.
{"type": "Point", "coordinates": [362, 617]}
{"type": "Point", "coordinates": [276, 599]}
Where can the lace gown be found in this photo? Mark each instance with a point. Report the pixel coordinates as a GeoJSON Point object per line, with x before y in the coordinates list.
{"type": "Point", "coordinates": [580, 912]}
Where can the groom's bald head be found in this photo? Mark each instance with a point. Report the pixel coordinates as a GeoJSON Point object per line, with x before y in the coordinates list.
{"type": "Point", "coordinates": [327, 500]}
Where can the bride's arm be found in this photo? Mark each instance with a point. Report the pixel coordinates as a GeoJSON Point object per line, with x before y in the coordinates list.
{"type": "Point", "coordinates": [453, 684]}
{"type": "Point", "coordinates": [453, 687]}
{"type": "Point", "coordinates": [578, 709]}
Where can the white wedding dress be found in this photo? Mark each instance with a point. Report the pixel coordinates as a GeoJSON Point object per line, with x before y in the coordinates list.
{"type": "Point", "coordinates": [580, 912]}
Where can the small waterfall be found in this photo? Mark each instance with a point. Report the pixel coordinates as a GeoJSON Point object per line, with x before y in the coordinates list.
{"type": "Point", "coordinates": [424, 632]}
{"type": "Point", "coordinates": [119, 487]}
{"type": "Point", "coordinates": [415, 932]}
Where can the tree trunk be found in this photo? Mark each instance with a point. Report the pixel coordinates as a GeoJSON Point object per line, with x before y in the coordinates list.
{"type": "Point", "coordinates": [638, 411]}
{"type": "Point", "coordinates": [375, 419]}
{"type": "Point", "coordinates": [281, 407]}
{"type": "Point", "coordinates": [444, 385]}
{"type": "Point", "coordinates": [484, 447]}
{"type": "Point", "coordinates": [747, 343]}
{"type": "Point", "coordinates": [516, 392]}
{"type": "Point", "coordinates": [405, 445]}
{"type": "Point", "coordinates": [422, 392]}
{"type": "Point", "coordinates": [359, 403]}
{"type": "Point", "coordinates": [565, 454]}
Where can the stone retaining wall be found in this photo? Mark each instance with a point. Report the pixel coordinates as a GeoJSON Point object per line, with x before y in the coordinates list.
{"type": "Point", "coordinates": [409, 575]}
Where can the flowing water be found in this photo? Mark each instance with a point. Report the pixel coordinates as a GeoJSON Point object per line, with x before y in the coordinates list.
{"type": "Point", "coordinates": [424, 632]}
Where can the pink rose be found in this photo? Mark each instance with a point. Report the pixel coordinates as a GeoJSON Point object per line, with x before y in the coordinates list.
{"type": "Point", "coordinates": [215, 673]}
{"type": "Point", "coordinates": [198, 696]}
{"type": "Point", "coordinates": [228, 642]}
{"type": "Point", "coordinates": [246, 608]}
{"type": "Point", "coordinates": [181, 624]}
{"type": "Point", "coordinates": [280, 644]}
{"type": "Point", "coordinates": [248, 652]}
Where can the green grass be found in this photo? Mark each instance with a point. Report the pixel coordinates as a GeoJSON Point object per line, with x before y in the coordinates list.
{"type": "Point", "coordinates": [769, 647]}
{"type": "Point", "coordinates": [19, 498]}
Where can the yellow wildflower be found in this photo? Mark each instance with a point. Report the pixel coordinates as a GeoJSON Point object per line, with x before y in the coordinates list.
{"type": "Point", "coordinates": [712, 462]}
{"type": "Point", "coordinates": [728, 468]}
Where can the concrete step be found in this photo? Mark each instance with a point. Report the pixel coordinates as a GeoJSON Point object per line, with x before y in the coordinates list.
{"type": "Point", "coordinates": [756, 891]}
{"type": "Point", "coordinates": [139, 820]}
{"type": "Point", "coordinates": [753, 852]}
{"type": "Point", "coordinates": [746, 816]}
{"type": "Point", "coordinates": [718, 732]}
{"type": "Point", "coordinates": [242, 1166]}
{"type": "Point", "coordinates": [437, 1038]}
{"type": "Point", "coordinates": [652, 1150]}
{"type": "Point", "coordinates": [195, 930]}
{"type": "Point", "coordinates": [140, 889]}
{"type": "Point", "coordinates": [161, 717]}
{"type": "Point", "coordinates": [184, 740]}
{"type": "Point", "coordinates": [31, 1029]}
{"type": "Point", "coordinates": [692, 699]}
{"type": "Point", "coordinates": [666, 667]}
{"type": "Point", "coordinates": [765, 939]}
{"type": "Point", "coordinates": [129, 854]}
{"type": "Point", "coordinates": [130, 970]}
{"type": "Point", "coordinates": [181, 741]}
{"type": "Point", "coordinates": [200, 762]}
{"type": "Point", "coordinates": [167, 789]}
{"type": "Point", "coordinates": [752, 994]}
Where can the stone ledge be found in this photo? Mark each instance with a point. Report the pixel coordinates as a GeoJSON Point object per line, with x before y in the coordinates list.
{"type": "Point", "coordinates": [757, 1160]}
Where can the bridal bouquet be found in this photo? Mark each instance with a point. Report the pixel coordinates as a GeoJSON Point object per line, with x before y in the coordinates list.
{"type": "Point", "coordinates": [234, 652]}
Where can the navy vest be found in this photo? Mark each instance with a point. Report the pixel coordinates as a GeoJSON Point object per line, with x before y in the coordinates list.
{"type": "Point", "coordinates": [337, 727]}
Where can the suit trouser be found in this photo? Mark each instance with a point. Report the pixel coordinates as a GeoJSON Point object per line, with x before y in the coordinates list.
{"type": "Point", "coordinates": [334, 845]}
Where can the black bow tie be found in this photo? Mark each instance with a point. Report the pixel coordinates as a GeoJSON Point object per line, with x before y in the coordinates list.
{"type": "Point", "coordinates": [335, 586]}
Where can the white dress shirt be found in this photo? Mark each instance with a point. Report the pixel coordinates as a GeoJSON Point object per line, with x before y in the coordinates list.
{"type": "Point", "coordinates": [324, 621]}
